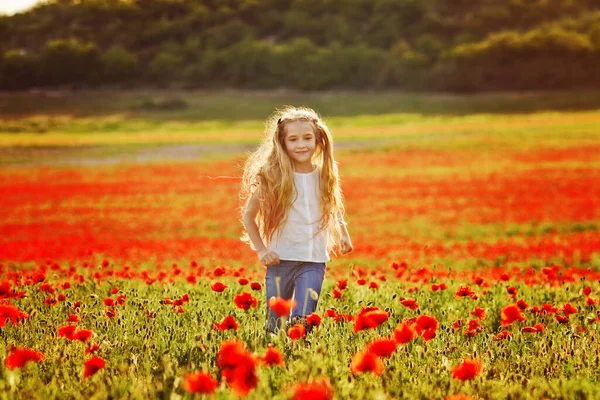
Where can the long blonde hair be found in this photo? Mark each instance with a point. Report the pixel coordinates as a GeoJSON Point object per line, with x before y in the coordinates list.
{"type": "Point", "coordinates": [269, 175]}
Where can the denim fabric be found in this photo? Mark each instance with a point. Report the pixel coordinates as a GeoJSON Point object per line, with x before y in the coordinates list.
{"type": "Point", "coordinates": [293, 278]}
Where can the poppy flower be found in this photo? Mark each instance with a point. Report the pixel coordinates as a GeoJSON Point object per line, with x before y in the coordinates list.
{"type": "Point", "coordinates": [590, 301]}
{"type": "Point", "coordinates": [459, 323]}
{"type": "Point", "coordinates": [361, 281]}
{"type": "Point", "coordinates": [337, 293]}
{"type": "Point", "coordinates": [73, 318]}
{"type": "Point", "coordinates": [92, 366]}
{"type": "Point", "coordinates": [373, 285]}
{"type": "Point", "coordinates": [512, 291]}
{"type": "Point", "coordinates": [273, 356]}
{"type": "Point", "coordinates": [237, 366]}
{"type": "Point", "coordinates": [510, 314]}
{"type": "Point", "coordinates": [114, 290]}
{"type": "Point", "coordinates": [568, 309]}
{"type": "Point", "coordinates": [256, 286]}
{"type": "Point", "coordinates": [587, 291]}
{"type": "Point", "coordinates": [370, 317]}
{"type": "Point", "coordinates": [382, 347]}
{"type": "Point", "coordinates": [331, 313]}
{"type": "Point", "coordinates": [227, 323]}
{"type": "Point", "coordinates": [503, 335]}
{"type": "Point", "coordinates": [562, 319]}
{"type": "Point", "coordinates": [458, 396]}
{"type": "Point", "coordinates": [464, 291]}
{"type": "Point", "coordinates": [121, 300]}
{"type": "Point", "coordinates": [313, 320]}
{"type": "Point", "coordinates": [243, 281]}
{"type": "Point", "coordinates": [245, 300]}
{"type": "Point", "coordinates": [200, 382]}
{"type": "Point", "coordinates": [522, 304]}
{"type": "Point", "coordinates": [67, 331]}
{"type": "Point", "coordinates": [404, 333]}
{"type": "Point", "coordinates": [109, 302]}
{"type": "Point", "coordinates": [473, 328]}
{"type": "Point", "coordinates": [297, 331]}
{"type": "Point", "coordinates": [12, 313]}
{"type": "Point", "coordinates": [343, 317]}
{"type": "Point", "coordinates": [478, 312]}
{"type": "Point", "coordinates": [281, 307]}
{"type": "Point", "coordinates": [318, 390]}
{"type": "Point", "coordinates": [365, 361]}
{"type": "Point", "coordinates": [218, 287]}
{"type": "Point", "coordinates": [19, 356]}
{"type": "Point", "coordinates": [83, 335]}
{"type": "Point", "coordinates": [409, 303]}
{"type": "Point", "coordinates": [110, 313]}
{"type": "Point", "coordinates": [342, 284]}
{"type": "Point", "coordinates": [426, 326]}
{"type": "Point", "coordinates": [467, 370]}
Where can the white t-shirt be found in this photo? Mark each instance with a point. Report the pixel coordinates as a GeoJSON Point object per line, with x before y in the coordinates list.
{"type": "Point", "coordinates": [295, 240]}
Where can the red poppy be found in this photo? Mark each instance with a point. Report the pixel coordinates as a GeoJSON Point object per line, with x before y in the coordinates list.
{"type": "Point", "coordinates": [83, 335]}
{"type": "Point", "coordinates": [109, 302]}
{"type": "Point", "coordinates": [587, 291]}
{"type": "Point", "coordinates": [110, 313]}
{"type": "Point", "coordinates": [92, 366]}
{"type": "Point", "coordinates": [313, 320]}
{"type": "Point", "coordinates": [464, 291]}
{"type": "Point", "coordinates": [404, 333]}
{"type": "Point", "coordinates": [458, 396]}
{"type": "Point", "coordinates": [382, 347]}
{"type": "Point", "coordinates": [512, 291]}
{"type": "Point", "coordinates": [67, 331]}
{"type": "Point", "coordinates": [342, 284]}
{"type": "Point", "coordinates": [370, 317]}
{"type": "Point", "coordinates": [503, 335]}
{"type": "Point", "coordinates": [361, 281]}
{"type": "Point", "coordinates": [468, 370]}
{"type": "Point", "coordinates": [238, 366]}
{"type": "Point", "coordinates": [373, 285]}
{"type": "Point", "coordinates": [256, 286]}
{"type": "Point", "coordinates": [568, 309]}
{"type": "Point", "coordinates": [336, 293]}
{"type": "Point", "coordinates": [365, 361]}
{"type": "Point", "coordinates": [114, 290]}
{"type": "Point", "coordinates": [227, 323]}
{"type": "Point", "coordinates": [73, 318]}
{"type": "Point", "coordinates": [562, 319]}
{"type": "Point", "coordinates": [426, 326]}
{"type": "Point", "coordinates": [459, 323]}
{"type": "Point", "coordinates": [409, 303]}
{"type": "Point", "coordinates": [281, 307]}
{"type": "Point", "coordinates": [218, 287]}
{"type": "Point", "coordinates": [522, 304]}
{"type": "Point", "coordinates": [19, 356]}
{"type": "Point", "coordinates": [479, 313]}
{"type": "Point", "coordinates": [12, 313]}
{"type": "Point", "coordinates": [200, 382]}
{"type": "Point", "coordinates": [273, 356]}
{"type": "Point", "coordinates": [245, 300]}
{"type": "Point", "coordinates": [318, 390]}
{"type": "Point", "coordinates": [473, 328]}
{"type": "Point", "coordinates": [297, 331]}
{"type": "Point", "coordinates": [510, 314]}
{"type": "Point", "coordinates": [343, 317]}
{"type": "Point", "coordinates": [243, 281]}
{"type": "Point", "coordinates": [331, 313]}
{"type": "Point", "coordinates": [590, 301]}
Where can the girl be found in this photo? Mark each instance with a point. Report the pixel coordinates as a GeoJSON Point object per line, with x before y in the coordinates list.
{"type": "Point", "coordinates": [293, 211]}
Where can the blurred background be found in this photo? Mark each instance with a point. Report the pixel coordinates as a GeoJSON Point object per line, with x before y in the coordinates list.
{"type": "Point", "coordinates": [419, 45]}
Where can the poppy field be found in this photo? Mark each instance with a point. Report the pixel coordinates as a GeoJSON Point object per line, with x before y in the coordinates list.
{"type": "Point", "coordinates": [475, 274]}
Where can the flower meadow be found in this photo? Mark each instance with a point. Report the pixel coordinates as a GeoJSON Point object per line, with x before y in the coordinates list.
{"type": "Point", "coordinates": [475, 274]}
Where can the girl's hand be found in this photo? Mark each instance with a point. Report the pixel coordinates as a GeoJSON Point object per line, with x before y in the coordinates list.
{"type": "Point", "coordinates": [346, 244]}
{"type": "Point", "coordinates": [268, 258]}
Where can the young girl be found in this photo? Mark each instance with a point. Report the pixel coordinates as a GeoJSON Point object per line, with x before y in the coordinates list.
{"type": "Point", "coordinates": [293, 210]}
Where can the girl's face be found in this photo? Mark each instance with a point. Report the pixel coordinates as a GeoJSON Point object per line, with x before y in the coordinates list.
{"type": "Point", "coordinates": [300, 142]}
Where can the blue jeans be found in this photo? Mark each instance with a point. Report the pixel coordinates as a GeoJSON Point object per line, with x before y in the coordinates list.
{"type": "Point", "coordinates": [293, 278]}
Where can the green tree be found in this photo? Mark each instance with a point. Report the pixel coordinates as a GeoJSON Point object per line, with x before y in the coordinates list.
{"type": "Point", "coordinates": [118, 64]}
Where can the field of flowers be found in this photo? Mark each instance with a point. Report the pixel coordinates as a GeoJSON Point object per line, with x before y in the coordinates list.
{"type": "Point", "coordinates": [475, 274]}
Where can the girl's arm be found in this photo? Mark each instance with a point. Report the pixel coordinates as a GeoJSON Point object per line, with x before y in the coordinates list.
{"type": "Point", "coordinates": [346, 242]}
{"type": "Point", "coordinates": [249, 219]}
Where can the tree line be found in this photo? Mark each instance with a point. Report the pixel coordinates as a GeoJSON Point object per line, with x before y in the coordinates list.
{"type": "Point", "coordinates": [461, 46]}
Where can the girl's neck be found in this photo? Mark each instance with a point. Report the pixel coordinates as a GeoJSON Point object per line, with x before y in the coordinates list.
{"type": "Point", "coordinates": [304, 168]}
